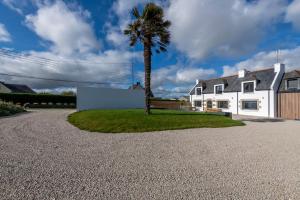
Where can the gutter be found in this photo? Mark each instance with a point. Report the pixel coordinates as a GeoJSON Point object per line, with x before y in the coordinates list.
{"type": "Point", "coordinates": [237, 103]}
{"type": "Point", "coordinates": [269, 103]}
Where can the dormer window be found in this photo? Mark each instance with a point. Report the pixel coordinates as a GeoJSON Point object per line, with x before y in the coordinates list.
{"type": "Point", "coordinates": [198, 90]}
{"type": "Point", "coordinates": [248, 87]}
{"type": "Point", "coordinates": [292, 84]}
{"type": "Point", "coordinates": [219, 89]}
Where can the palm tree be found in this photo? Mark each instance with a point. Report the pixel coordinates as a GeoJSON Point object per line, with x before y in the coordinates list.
{"type": "Point", "coordinates": [151, 29]}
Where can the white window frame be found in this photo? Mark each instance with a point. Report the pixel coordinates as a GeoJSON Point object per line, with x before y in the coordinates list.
{"type": "Point", "coordinates": [196, 90]}
{"type": "Point", "coordinates": [215, 89]}
{"type": "Point", "coordinates": [217, 104]}
{"type": "Point", "coordinates": [254, 86]}
{"type": "Point", "coordinates": [198, 106]}
{"type": "Point", "coordinates": [257, 103]}
{"type": "Point", "coordinates": [286, 83]}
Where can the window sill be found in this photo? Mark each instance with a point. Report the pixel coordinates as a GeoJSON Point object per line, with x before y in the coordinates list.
{"type": "Point", "coordinates": [250, 109]}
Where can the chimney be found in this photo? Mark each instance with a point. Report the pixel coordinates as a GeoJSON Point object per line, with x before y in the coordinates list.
{"type": "Point", "coordinates": [197, 81]}
{"type": "Point", "coordinates": [242, 73]}
{"type": "Point", "coordinates": [279, 67]}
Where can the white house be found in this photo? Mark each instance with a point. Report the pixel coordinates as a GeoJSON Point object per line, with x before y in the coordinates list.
{"type": "Point", "coordinates": [248, 93]}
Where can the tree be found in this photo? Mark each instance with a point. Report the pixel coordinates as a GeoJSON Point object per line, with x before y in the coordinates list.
{"type": "Point", "coordinates": [151, 30]}
{"type": "Point", "coordinates": [68, 93]}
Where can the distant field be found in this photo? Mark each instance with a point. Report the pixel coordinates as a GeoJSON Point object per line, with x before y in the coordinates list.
{"type": "Point", "coordinates": [134, 120]}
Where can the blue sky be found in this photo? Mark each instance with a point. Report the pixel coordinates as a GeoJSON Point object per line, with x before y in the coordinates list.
{"type": "Point", "coordinates": [84, 41]}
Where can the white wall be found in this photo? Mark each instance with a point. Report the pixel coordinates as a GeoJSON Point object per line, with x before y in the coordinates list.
{"type": "Point", "coordinates": [265, 102]}
{"type": "Point", "coordinates": [267, 99]}
{"type": "Point", "coordinates": [108, 98]}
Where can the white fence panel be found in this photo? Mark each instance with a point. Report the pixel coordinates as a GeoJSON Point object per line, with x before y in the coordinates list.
{"type": "Point", "coordinates": [108, 98]}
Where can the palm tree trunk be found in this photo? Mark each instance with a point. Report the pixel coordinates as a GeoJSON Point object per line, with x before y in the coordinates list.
{"type": "Point", "coordinates": [147, 64]}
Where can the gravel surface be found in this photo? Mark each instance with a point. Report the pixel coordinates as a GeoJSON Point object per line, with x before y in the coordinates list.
{"type": "Point", "coordinates": [42, 156]}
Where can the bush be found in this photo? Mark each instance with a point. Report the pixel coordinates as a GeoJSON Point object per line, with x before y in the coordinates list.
{"type": "Point", "coordinates": [7, 109]}
{"type": "Point", "coordinates": [22, 99]}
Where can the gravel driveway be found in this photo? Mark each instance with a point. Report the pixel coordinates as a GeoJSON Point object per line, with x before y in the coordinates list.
{"type": "Point", "coordinates": [44, 157]}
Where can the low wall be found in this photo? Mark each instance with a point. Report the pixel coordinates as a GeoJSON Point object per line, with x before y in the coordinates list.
{"type": "Point", "coordinates": [171, 104]}
{"type": "Point", "coordinates": [109, 98]}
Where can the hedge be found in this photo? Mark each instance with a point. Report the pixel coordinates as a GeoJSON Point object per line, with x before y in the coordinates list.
{"type": "Point", "coordinates": [18, 98]}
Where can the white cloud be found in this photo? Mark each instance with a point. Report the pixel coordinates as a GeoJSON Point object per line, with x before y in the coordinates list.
{"type": "Point", "coordinates": [262, 60]}
{"type": "Point", "coordinates": [123, 7]}
{"type": "Point", "coordinates": [116, 37]}
{"type": "Point", "coordinates": [73, 49]}
{"type": "Point", "coordinates": [293, 14]}
{"type": "Point", "coordinates": [221, 28]}
{"type": "Point", "coordinates": [67, 29]}
{"type": "Point", "coordinates": [4, 34]}
{"type": "Point", "coordinates": [176, 75]}
{"type": "Point", "coordinates": [14, 5]}
{"type": "Point", "coordinates": [104, 67]}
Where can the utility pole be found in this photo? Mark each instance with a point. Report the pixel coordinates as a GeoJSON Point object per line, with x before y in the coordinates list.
{"type": "Point", "coordinates": [132, 74]}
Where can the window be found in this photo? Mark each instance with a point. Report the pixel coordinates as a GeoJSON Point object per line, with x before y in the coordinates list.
{"type": "Point", "coordinates": [222, 104]}
{"type": "Point", "coordinates": [219, 89]}
{"type": "Point", "coordinates": [209, 104]}
{"type": "Point", "coordinates": [198, 103]}
{"type": "Point", "coordinates": [249, 105]}
{"type": "Point", "coordinates": [248, 87]}
{"type": "Point", "coordinates": [292, 84]}
{"type": "Point", "coordinates": [198, 91]}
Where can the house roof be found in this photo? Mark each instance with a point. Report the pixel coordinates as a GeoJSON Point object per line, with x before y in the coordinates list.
{"type": "Point", "coordinates": [264, 80]}
{"type": "Point", "coordinates": [16, 88]}
{"type": "Point", "coordinates": [138, 86]}
{"type": "Point", "coordinates": [289, 75]}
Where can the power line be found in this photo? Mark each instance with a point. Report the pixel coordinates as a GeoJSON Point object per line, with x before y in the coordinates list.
{"type": "Point", "coordinates": [33, 59]}
{"type": "Point", "coordinates": [61, 80]}
{"type": "Point", "coordinates": [13, 54]}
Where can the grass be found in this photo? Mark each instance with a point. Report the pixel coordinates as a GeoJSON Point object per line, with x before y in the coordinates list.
{"type": "Point", "coordinates": [134, 120]}
{"type": "Point", "coordinates": [7, 109]}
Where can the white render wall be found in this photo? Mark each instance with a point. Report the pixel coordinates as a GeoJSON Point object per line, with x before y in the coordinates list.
{"type": "Point", "coordinates": [235, 102]}
{"type": "Point", "coordinates": [108, 98]}
{"type": "Point", "coordinates": [267, 99]}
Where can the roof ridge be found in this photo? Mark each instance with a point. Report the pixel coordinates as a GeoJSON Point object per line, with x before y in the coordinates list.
{"type": "Point", "coordinates": [224, 77]}
{"type": "Point", "coordinates": [266, 69]}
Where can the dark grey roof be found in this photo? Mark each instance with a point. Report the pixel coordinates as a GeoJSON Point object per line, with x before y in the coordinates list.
{"type": "Point", "coordinates": [15, 88]}
{"type": "Point", "coordinates": [289, 75]}
{"type": "Point", "coordinates": [264, 80]}
{"type": "Point", "coordinates": [138, 86]}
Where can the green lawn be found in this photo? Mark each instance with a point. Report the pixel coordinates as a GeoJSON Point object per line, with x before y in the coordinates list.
{"type": "Point", "coordinates": [134, 120]}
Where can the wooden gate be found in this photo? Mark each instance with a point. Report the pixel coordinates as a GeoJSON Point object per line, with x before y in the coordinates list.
{"type": "Point", "coordinates": [289, 105]}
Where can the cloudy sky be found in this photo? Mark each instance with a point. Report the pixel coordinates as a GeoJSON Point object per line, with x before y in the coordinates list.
{"type": "Point", "coordinates": [82, 40]}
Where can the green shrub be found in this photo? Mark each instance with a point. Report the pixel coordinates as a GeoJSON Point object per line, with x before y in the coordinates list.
{"type": "Point", "coordinates": [7, 109]}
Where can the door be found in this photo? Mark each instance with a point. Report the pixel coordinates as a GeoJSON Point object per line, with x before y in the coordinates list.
{"type": "Point", "coordinates": [209, 104]}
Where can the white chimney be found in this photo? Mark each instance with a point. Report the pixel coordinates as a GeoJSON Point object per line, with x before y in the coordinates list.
{"type": "Point", "coordinates": [279, 67]}
{"type": "Point", "coordinates": [197, 81]}
{"type": "Point", "coordinates": [242, 73]}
